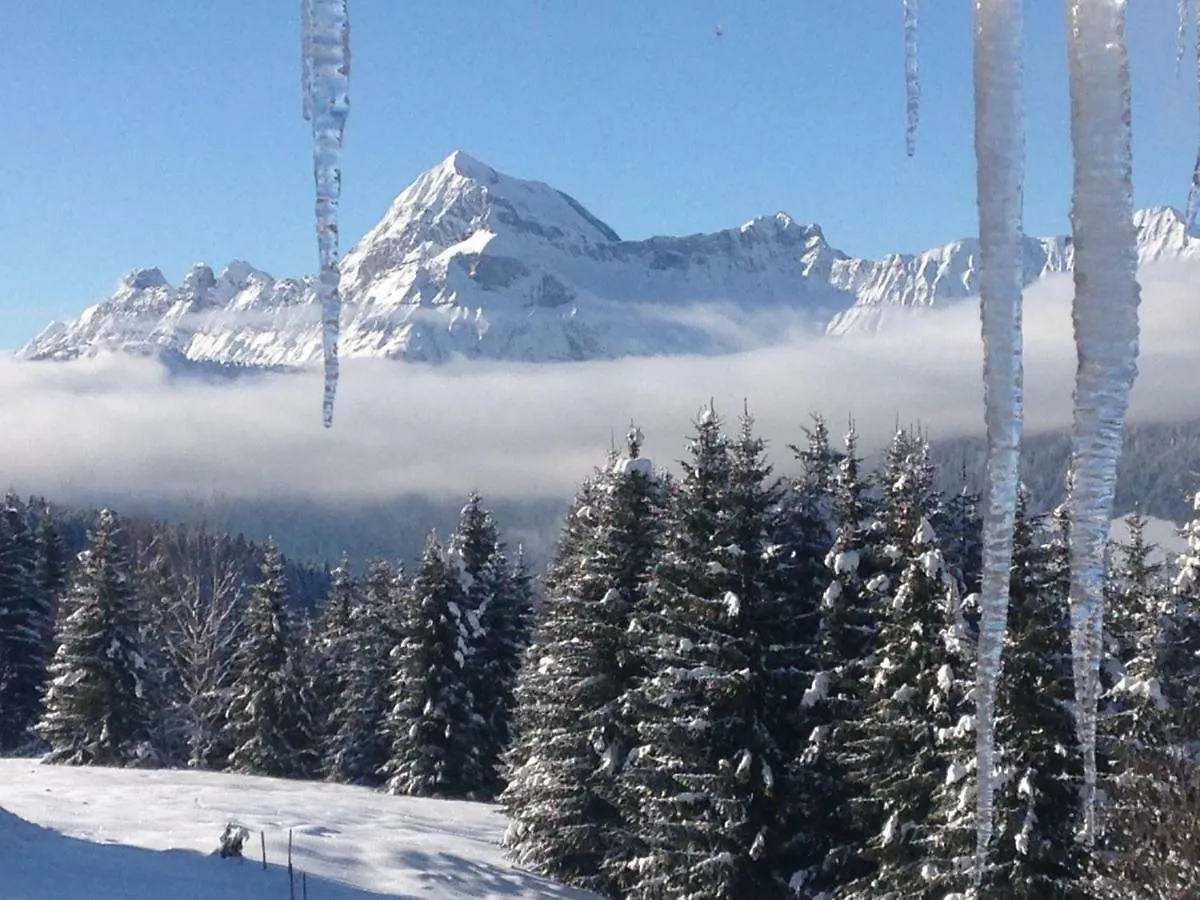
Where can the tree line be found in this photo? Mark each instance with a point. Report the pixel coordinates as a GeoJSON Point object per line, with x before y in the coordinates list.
{"type": "Point", "coordinates": [165, 651]}
{"type": "Point", "coordinates": [749, 686]}
{"type": "Point", "coordinates": [735, 684]}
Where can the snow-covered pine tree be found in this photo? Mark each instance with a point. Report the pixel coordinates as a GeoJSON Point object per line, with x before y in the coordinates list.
{"type": "Point", "coordinates": [1035, 853]}
{"type": "Point", "coordinates": [959, 524]}
{"type": "Point", "coordinates": [813, 491]}
{"type": "Point", "coordinates": [1180, 678]}
{"type": "Point", "coordinates": [50, 569]}
{"type": "Point", "coordinates": [508, 626]}
{"type": "Point", "coordinates": [268, 716]}
{"type": "Point", "coordinates": [95, 707]}
{"type": "Point", "coordinates": [907, 498]}
{"type": "Point", "coordinates": [571, 731]}
{"type": "Point", "coordinates": [24, 624]}
{"type": "Point", "coordinates": [844, 651]}
{"type": "Point", "coordinates": [808, 528]}
{"type": "Point", "coordinates": [1148, 772]}
{"type": "Point", "coordinates": [329, 656]}
{"type": "Point", "coordinates": [1155, 822]}
{"type": "Point", "coordinates": [911, 742]}
{"type": "Point", "coordinates": [710, 793]}
{"type": "Point", "coordinates": [1137, 606]}
{"type": "Point", "coordinates": [359, 746]}
{"type": "Point", "coordinates": [483, 569]}
{"type": "Point", "coordinates": [430, 720]}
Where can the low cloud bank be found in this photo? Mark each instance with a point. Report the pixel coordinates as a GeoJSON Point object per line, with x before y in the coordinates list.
{"type": "Point", "coordinates": [120, 425]}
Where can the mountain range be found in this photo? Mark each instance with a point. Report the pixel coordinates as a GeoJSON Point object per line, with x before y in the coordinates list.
{"type": "Point", "coordinates": [471, 262]}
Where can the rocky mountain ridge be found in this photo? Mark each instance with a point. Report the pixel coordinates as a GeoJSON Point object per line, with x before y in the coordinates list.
{"type": "Point", "coordinates": [471, 262]}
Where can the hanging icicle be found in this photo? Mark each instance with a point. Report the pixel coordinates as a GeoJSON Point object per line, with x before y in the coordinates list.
{"type": "Point", "coordinates": [1193, 200]}
{"type": "Point", "coordinates": [1181, 36]}
{"type": "Point", "coordinates": [1106, 332]}
{"type": "Point", "coordinates": [306, 57]}
{"type": "Point", "coordinates": [1000, 170]}
{"type": "Point", "coordinates": [325, 71]}
{"type": "Point", "coordinates": [912, 82]}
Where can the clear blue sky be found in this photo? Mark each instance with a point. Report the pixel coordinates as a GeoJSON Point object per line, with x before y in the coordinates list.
{"type": "Point", "coordinates": [143, 132]}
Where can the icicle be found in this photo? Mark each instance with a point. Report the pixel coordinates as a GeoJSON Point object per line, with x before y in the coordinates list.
{"type": "Point", "coordinates": [306, 57]}
{"type": "Point", "coordinates": [1181, 36]}
{"type": "Point", "coordinates": [1000, 162]}
{"type": "Point", "coordinates": [1194, 190]}
{"type": "Point", "coordinates": [325, 70]}
{"type": "Point", "coordinates": [912, 83]}
{"type": "Point", "coordinates": [1106, 332]}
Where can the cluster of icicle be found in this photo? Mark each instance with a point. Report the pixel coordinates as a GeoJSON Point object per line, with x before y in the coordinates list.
{"type": "Point", "coordinates": [1106, 331]}
{"type": "Point", "coordinates": [325, 62]}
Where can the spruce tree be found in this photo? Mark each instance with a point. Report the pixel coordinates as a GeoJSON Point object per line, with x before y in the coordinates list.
{"type": "Point", "coordinates": [359, 748]}
{"type": "Point", "coordinates": [909, 742]}
{"type": "Point", "coordinates": [329, 656]}
{"type": "Point", "coordinates": [1136, 730]}
{"type": "Point", "coordinates": [1181, 638]}
{"type": "Point", "coordinates": [508, 627]}
{"type": "Point", "coordinates": [268, 716]}
{"type": "Point", "coordinates": [484, 573]}
{"type": "Point", "coordinates": [907, 498]}
{"type": "Point", "coordinates": [1137, 606]}
{"type": "Point", "coordinates": [807, 529]}
{"type": "Point", "coordinates": [431, 721]}
{"type": "Point", "coordinates": [95, 707]}
{"type": "Point", "coordinates": [24, 626]}
{"type": "Point", "coordinates": [1035, 853]}
{"type": "Point", "coordinates": [50, 571]}
{"type": "Point", "coordinates": [959, 523]}
{"type": "Point", "coordinates": [710, 779]}
{"type": "Point", "coordinates": [835, 699]}
{"type": "Point", "coordinates": [572, 731]}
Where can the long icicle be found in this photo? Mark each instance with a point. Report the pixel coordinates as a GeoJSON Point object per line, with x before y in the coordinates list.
{"type": "Point", "coordinates": [1106, 333]}
{"type": "Point", "coordinates": [306, 55]}
{"type": "Point", "coordinates": [1000, 171]}
{"type": "Point", "coordinates": [1193, 200]}
{"type": "Point", "coordinates": [325, 54]}
{"type": "Point", "coordinates": [1181, 36]}
{"type": "Point", "coordinates": [912, 81]}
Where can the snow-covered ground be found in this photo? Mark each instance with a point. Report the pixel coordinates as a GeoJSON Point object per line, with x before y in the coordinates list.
{"type": "Point", "coordinates": [119, 834]}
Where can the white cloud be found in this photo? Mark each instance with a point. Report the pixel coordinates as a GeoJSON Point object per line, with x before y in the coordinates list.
{"type": "Point", "coordinates": [121, 425]}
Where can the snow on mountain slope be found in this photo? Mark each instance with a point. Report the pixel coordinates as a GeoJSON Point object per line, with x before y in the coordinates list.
{"type": "Point", "coordinates": [888, 289]}
{"type": "Point", "coordinates": [123, 834]}
{"type": "Point", "coordinates": [469, 261]}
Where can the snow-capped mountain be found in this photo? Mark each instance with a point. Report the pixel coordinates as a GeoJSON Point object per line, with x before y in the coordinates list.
{"type": "Point", "coordinates": [468, 261]}
{"type": "Point", "coordinates": [890, 289]}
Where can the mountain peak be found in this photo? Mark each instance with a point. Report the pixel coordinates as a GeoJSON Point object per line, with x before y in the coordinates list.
{"type": "Point", "coordinates": [144, 279]}
{"type": "Point", "coordinates": [200, 278]}
{"type": "Point", "coordinates": [466, 166]}
{"type": "Point", "coordinates": [1162, 232]}
{"type": "Point", "coordinates": [464, 204]}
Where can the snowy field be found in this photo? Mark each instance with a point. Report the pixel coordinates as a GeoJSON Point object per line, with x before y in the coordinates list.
{"type": "Point", "coordinates": [119, 834]}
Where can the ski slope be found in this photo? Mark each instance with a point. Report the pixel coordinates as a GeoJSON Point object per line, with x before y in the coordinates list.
{"type": "Point", "coordinates": [122, 834]}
